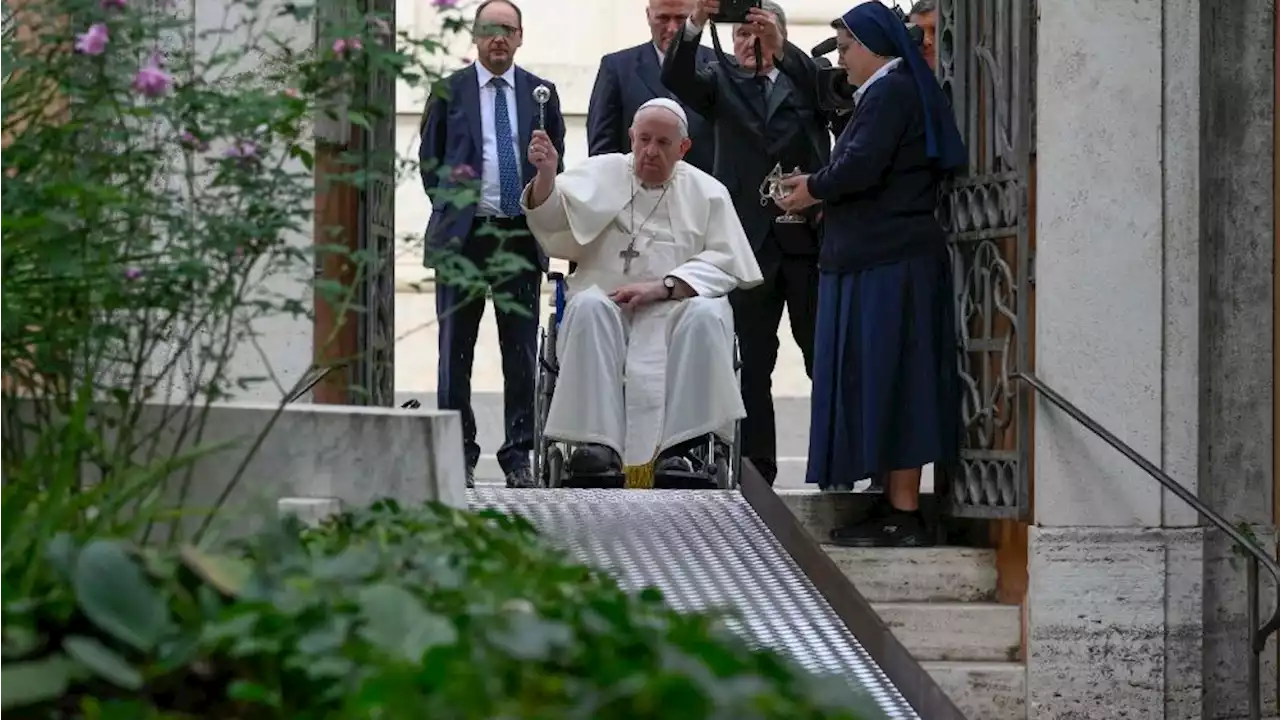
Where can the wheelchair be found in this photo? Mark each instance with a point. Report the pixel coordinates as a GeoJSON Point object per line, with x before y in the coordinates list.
{"type": "Point", "coordinates": [720, 462]}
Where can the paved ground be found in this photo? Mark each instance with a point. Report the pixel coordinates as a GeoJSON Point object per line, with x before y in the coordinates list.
{"type": "Point", "coordinates": [416, 357]}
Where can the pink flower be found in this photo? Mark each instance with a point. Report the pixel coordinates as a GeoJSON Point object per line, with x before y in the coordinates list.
{"type": "Point", "coordinates": [112, 4]}
{"type": "Point", "coordinates": [132, 273]}
{"type": "Point", "coordinates": [243, 151]}
{"type": "Point", "coordinates": [193, 142]}
{"type": "Point", "coordinates": [445, 4]}
{"type": "Point", "coordinates": [152, 80]}
{"type": "Point", "coordinates": [94, 41]}
{"type": "Point", "coordinates": [345, 46]}
{"type": "Point", "coordinates": [462, 173]}
{"type": "Point", "coordinates": [292, 94]}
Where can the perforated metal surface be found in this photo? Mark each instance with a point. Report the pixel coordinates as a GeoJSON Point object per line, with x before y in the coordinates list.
{"type": "Point", "coordinates": [704, 549]}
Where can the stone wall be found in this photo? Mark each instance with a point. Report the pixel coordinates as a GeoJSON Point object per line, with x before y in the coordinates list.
{"type": "Point", "coordinates": [1154, 280]}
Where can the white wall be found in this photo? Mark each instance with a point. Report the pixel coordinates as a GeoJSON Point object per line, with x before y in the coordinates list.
{"type": "Point", "coordinates": [567, 52]}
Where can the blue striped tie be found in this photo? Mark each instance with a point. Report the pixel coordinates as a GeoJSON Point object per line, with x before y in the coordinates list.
{"type": "Point", "coordinates": [508, 169]}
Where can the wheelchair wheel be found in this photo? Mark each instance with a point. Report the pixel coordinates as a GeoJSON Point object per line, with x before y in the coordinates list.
{"type": "Point", "coordinates": [539, 413]}
{"type": "Point", "coordinates": [555, 468]}
{"type": "Point", "coordinates": [735, 456]}
{"type": "Point", "coordinates": [724, 476]}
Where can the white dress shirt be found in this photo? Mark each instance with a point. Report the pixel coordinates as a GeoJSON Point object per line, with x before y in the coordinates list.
{"type": "Point", "coordinates": [490, 176]}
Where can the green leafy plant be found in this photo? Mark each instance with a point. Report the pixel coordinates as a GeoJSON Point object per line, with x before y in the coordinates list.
{"type": "Point", "coordinates": [159, 218]}
{"type": "Point", "coordinates": [390, 613]}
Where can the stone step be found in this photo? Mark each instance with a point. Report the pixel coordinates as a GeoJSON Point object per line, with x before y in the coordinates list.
{"type": "Point", "coordinates": [983, 690]}
{"type": "Point", "coordinates": [820, 512]}
{"type": "Point", "coordinates": [922, 575]}
{"type": "Point", "coordinates": [986, 632]}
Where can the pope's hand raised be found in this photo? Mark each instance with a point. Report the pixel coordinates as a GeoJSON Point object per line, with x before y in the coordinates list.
{"type": "Point", "coordinates": [542, 154]}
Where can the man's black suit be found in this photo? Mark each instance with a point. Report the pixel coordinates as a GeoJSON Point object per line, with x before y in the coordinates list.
{"type": "Point", "coordinates": [626, 80]}
{"type": "Point", "coordinates": [757, 126]}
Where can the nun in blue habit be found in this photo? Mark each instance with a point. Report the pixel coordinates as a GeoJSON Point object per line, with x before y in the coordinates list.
{"type": "Point", "coordinates": [885, 386]}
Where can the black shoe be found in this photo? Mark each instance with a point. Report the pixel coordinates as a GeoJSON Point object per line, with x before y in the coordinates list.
{"type": "Point", "coordinates": [594, 460]}
{"type": "Point", "coordinates": [471, 478]}
{"type": "Point", "coordinates": [673, 464]}
{"type": "Point", "coordinates": [892, 529]}
{"type": "Point", "coordinates": [682, 468]}
{"type": "Point", "coordinates": [522, 478]}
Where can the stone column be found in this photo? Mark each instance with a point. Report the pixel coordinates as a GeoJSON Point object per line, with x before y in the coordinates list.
{"type": "Point", "coordinates": [1237, 236]}
{"type": "Point", "coordinates": [1140, 320]}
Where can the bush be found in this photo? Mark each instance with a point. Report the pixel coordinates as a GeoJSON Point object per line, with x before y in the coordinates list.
{"type": "Point", "coordinates": [384, 613]}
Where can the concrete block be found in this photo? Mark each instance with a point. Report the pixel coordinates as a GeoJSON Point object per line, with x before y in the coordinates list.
{"type": "Point", "coordinates": [1184, 626]}
{"type": "Point", "coordinates": [941, 574]}
{"type": "Point", "coordinates": [955, 631]}
{"type": "Point", "coordinates": [311, 511]}
{"type": "Point", "coordinates": [983, 691]}
{"type": "Point", "coordinates": [1109, 634]}
{"type": "Point", "coordinates": [250, 456]}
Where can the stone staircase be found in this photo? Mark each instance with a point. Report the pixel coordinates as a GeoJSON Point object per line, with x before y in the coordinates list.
{"type": "Point", "coordinates": [939, 602]}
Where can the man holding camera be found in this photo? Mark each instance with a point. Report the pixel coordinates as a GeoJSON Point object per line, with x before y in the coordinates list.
{"type": "Point", "coordinates": [924, 15]}
{"type": "Point", "coordinates": [762, 103]}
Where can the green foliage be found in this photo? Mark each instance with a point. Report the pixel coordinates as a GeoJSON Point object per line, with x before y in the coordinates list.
{"type": "Point", "coordinates": [385, 613]}
{"type": "Point", "coordinates": [159, 218]}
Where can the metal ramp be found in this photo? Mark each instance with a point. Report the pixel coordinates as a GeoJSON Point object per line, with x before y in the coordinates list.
{"type": "Point", "coordinates": [731, 549]}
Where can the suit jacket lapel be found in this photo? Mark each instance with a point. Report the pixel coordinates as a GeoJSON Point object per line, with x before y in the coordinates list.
{"type": "Point", "coordinates": [781, 91]}
{"type": "Point", "coordinates": [526, 116]}
{"type": "Point", "coordinates": [469, 98]}
{"type": "Point", "coordinates": [650, 73]}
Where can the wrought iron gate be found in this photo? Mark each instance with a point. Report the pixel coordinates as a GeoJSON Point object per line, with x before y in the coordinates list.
{"type": "Point", "coordinates": [373, 372]}
{"type": "Point", "coordinates": [986, 58]}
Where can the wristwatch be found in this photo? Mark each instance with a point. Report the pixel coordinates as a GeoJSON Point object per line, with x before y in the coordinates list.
{"type": "Point", "coordinates": [670, 283]}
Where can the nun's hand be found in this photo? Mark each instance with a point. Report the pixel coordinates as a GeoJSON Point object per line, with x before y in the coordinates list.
{"type": "Point", "coordinates": [799, 199]}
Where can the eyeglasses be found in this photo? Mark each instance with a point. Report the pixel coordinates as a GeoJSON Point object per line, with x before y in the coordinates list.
{"type": "Point", "coordinates": [486, 30]}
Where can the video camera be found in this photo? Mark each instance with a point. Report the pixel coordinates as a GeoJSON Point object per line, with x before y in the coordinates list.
{"type": "Point", "coordinates": [835, 94]}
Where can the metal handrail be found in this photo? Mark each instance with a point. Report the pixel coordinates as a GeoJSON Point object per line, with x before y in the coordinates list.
{"type": "Point", "coordinates": [1257, 555]}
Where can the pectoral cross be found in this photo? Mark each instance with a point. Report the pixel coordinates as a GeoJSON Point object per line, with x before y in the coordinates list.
{"type": "Point", "coordinates": [628, 255]}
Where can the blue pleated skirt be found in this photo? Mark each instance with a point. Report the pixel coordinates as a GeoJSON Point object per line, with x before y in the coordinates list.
{"type": "Point", "coordinates": [886, 392]}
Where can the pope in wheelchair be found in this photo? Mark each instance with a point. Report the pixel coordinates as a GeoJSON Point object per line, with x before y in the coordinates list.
{"type": "Point", "coordinates": [644, 352]}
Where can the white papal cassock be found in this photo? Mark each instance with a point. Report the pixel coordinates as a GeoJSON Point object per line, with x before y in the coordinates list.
{"type": "Point", "coordinates": [644, 381]}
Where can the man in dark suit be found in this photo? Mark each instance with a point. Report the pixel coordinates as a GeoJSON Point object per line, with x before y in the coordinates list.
{"type": "Point", "coordinates": [763, 115]}
{"type": "Point", "coordinates": [630, 78]}
{"type": "Point", "coordinates": [475, 133]}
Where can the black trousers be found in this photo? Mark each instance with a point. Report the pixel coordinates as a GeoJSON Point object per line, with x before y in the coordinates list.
{"type": "Point", "coordinates": [757, 313]}
{"type": "Point", "coordinates": [459, 311]}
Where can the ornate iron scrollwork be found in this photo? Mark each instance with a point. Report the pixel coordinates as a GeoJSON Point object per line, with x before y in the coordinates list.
{"type": "Point", "coordinates": [984, 66]}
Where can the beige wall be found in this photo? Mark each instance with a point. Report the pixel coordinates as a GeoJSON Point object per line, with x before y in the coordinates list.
{"type": "Point", "coordinates": [564, 40]}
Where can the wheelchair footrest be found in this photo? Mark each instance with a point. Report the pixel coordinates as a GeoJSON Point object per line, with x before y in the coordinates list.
{"type": "Point", "coordinates": [593, 481]}
{"type": "Point", "coordinates": [684, 481]}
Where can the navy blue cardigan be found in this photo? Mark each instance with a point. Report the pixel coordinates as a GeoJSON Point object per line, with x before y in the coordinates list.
{"type": "Point", "coordinates": [880, 189]}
